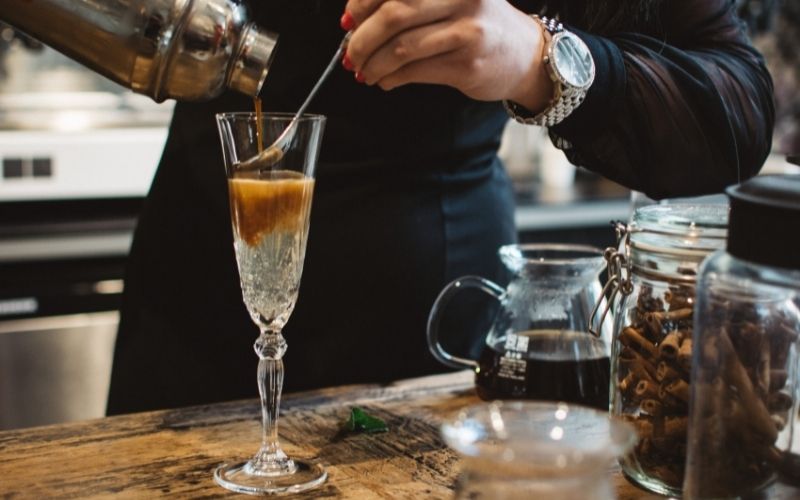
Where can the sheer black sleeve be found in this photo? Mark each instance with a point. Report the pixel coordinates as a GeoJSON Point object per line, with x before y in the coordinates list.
{"type": "Point", "coordinates": [685, 109]}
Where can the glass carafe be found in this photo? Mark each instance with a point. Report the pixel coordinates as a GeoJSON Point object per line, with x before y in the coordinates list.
{"type": "Point", "coordinates": [538, 346]}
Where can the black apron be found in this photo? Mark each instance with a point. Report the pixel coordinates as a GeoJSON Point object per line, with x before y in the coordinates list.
{"type": "Point", "coordinates": [409, 195]}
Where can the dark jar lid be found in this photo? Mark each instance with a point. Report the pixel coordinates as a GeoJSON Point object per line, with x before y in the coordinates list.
{"type": "Point", "coordinates": [764, 221]}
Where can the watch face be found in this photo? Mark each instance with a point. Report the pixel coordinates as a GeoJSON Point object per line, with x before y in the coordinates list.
{"type": "Point", "coordinates": [572, 60]}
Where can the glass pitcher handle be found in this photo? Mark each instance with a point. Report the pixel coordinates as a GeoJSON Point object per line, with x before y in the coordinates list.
{"type": "Point", "coordinates": [436, 315]}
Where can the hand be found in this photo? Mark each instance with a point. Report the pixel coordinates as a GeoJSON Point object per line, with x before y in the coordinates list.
{"type": "Point", "coordinates": [487, 49]}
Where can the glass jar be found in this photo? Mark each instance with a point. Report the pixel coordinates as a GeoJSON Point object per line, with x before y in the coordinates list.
{"type": "Point", "coordinates": [654, 271]}
{"type": "Point", "coordinates": [745, 386]}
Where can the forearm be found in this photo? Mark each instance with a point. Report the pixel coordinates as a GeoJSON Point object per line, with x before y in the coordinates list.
{"type": "Point", "coordinates": [680, 115]}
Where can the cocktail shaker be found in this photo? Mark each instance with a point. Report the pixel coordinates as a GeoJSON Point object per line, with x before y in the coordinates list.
{"type": "Point", "coordinates": [166, 49]}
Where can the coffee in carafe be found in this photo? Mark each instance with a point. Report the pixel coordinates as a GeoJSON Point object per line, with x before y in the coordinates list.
{"type": "Point", "coordinates": [548, 365]}
{"type": "Point", "coordinates": [538, 346]}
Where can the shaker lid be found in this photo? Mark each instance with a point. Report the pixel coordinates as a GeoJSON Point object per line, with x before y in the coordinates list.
{"type": "Point", "coordinates": [765, 220]}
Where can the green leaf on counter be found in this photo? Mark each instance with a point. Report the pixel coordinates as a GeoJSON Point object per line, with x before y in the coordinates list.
{"type": "Point", "coordinates": [360, 421]}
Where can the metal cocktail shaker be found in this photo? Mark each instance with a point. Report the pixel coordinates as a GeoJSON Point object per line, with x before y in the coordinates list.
{"type": "Point", "coordinates": [165, 49]}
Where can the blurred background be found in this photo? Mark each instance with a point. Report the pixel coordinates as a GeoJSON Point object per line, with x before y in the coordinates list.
{"type": "Point", "coordinates": [78, 154]}
{"type": "Point", "coordinates": [77, 157]}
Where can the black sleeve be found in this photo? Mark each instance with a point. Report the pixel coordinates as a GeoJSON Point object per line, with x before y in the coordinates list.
{"type": "Point", "coordinates": [683, 110]}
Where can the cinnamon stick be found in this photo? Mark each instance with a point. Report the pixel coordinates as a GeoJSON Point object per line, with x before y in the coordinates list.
{"type": "Point", "coordinates": [676, 427]}
{"type": "Point", "coordinates": [673, 315]}
{"type": "Point", "coordinates": [628, 383]}
{"type": "Point", "coordinates": [652, 407]}
{"type": "Point", "coordinates": [779, 401]}
{"type": "Point", "coordinates": [678, 389]}
{"type": "Point", "coordinates": [630, 337]}
{"type": "Point", "coordinates": [666, 373]}
{"type": "Point", "coordinates": [637, 363]}
{"type": "Point", "coordinates": [646, 389]}
{"type": "Point", "coordinates": [668, 348]}
{"type": "Point", "coordinates": [685, 354]}
{"type": "Point", "coordinates": [777, 379]}
{"type": "Point", "coordinates": [736, 375]}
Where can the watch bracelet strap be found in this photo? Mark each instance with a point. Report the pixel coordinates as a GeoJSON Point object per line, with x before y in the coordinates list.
{"type": "Point", "coordinates": [557, 111]}
{"type": "Point", "coordinates": [552, 115]}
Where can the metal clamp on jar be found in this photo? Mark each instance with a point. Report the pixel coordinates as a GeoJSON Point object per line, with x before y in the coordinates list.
{"type": "Point", "coordinates": [652, 278]}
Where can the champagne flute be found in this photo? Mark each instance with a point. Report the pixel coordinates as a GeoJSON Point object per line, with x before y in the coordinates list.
{"type": "Point", "coordinates": [270, 210]}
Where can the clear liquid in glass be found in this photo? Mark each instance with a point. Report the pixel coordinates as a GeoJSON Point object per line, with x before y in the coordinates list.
{"type": "Point", "coordinates": [270, 213]}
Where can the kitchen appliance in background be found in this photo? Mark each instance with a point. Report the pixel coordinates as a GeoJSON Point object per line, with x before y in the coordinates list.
{"type": "Point", "coordinates": [77, 155]}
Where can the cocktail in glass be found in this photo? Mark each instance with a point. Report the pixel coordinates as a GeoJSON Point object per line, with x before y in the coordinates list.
{"type": "Point", "coordinates": [270, 208]}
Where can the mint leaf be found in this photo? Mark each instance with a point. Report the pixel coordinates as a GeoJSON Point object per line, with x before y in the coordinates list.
{"type": "Point", "coordinates": [360, 421]}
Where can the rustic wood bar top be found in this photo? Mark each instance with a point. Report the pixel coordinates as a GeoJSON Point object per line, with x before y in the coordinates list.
{"type": "Point", "coordinates": [172, 453]}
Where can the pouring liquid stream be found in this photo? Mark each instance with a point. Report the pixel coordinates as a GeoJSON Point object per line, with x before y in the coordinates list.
{"type": "Point", "coordinates": [259, 124]}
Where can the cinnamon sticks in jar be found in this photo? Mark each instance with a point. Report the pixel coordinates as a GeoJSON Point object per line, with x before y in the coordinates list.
{"type": "Point", "coordinates": [655, 266]}
{"type": "Point", "coordinates": [744, 397]}
{"type": "Point", "coordinates": [654, 364]}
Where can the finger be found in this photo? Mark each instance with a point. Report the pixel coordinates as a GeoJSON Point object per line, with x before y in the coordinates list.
{"type": "Point", "coordinates": [448, 68]}
{"type": "Point", "coordinates": [390, 19]}
{"type": "Point", "coordinates": [359, 10]}
{"type": "Point", "coordinates": [412, 45]}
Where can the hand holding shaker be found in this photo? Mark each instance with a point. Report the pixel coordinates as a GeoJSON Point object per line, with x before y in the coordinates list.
{"type": "Point", "coordinates": [746, 327]}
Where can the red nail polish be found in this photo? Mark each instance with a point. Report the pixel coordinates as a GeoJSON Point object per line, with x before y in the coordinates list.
{"type": "Point", "coordinates": [359, 77]}
{"type": "Point", "coordinates": [347, 63]}
{"type": "Point", "coordinates": [347, 22]}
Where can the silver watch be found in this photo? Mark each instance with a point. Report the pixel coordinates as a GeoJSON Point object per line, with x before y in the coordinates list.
{"type": "Point", "coordinates": [569, 64]}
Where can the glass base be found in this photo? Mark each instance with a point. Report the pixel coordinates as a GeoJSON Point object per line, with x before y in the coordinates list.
{"type": "Point", "coordinates": [239, 478]}
{"type": "Point", "coordinates": [651, 484]}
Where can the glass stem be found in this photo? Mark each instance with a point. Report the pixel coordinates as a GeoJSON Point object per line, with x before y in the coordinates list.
{"type": "Point", "coordinates": [270, 459]}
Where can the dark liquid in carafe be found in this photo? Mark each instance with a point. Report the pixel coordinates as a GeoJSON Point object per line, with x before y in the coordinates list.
{"type": "Point", "coordinates": [550, 365]}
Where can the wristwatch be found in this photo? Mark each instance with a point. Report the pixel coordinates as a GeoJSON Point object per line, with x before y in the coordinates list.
{"type": "Point", "coordinates": [571, 68]}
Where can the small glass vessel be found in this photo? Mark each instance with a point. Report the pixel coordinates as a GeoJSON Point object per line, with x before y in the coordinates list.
{"type": "Point", "coordinates": [524, 449]}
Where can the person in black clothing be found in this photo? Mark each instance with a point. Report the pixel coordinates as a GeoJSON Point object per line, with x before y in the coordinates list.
{"type": "Point", "coordinates": [409, 192]}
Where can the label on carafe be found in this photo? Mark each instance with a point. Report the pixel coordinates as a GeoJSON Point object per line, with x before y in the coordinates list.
{"type": "Point", "coordinates": [512, 364]}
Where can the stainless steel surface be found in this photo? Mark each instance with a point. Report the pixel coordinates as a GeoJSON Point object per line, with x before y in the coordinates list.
{"type": "Point", "coordinates": [182, 49]}
{"type": "Point", "coordinates": [83, 110]}
{"type": "Point", "coordinates": [52, 247]}
{"type": "Point", "coordinates": [92, 163]}
{"type": "Point", "coordinates": [582, 214]}
{"type": "Point", "coordinates": [55, 369]}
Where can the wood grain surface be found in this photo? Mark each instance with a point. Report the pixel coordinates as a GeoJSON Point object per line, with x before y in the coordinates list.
{"type": "Point", "coordinates": [173, 453]}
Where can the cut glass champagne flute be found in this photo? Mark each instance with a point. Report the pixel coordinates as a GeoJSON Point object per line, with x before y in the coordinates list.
{"type": "Point", "coordinates": [270, 210]}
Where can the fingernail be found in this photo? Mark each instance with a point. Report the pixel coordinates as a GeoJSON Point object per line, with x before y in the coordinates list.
{"type": "Point", "coordinates": [359, 77]}
{"type": "Point", "coordinates": [347, 22]}
{"type": "Point", "coordinates": [347, 63]}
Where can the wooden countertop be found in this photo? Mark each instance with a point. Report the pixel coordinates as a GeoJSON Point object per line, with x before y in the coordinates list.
{"type": "Point", "coordinates": [174, 452]}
